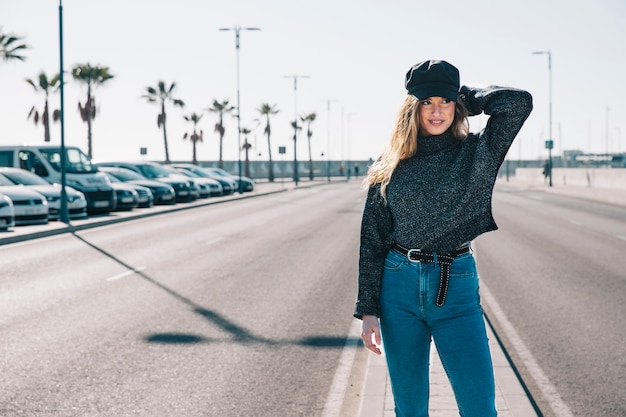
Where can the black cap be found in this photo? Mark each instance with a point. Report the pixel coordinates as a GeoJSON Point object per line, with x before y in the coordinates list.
{"type": "Point", "coordinates": [433, 78]}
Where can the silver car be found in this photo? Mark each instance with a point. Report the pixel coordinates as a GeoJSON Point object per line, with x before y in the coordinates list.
{"type": "Point", "coordinates": [30, 206]}
{"type": "Point", "coordinates": [7, 212]}
{"type": "Point", "coordinates": [76, 201]}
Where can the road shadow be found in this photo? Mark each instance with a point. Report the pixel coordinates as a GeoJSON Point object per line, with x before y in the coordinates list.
{"type": "Point", "coordinates": [238, 334]}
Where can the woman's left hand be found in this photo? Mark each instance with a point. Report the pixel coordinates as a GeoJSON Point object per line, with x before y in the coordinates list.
{"type": "Point", "coordinates": [371, 334]}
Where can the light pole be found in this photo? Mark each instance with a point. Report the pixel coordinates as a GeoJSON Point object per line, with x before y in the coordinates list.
{"type": "Point", "coordinates": [295, 126]}
{"type": "Point", "coordinates": [328, 101]}
{"type": "Point", "coordinates": [237, 29]}
{"type": "Point", "coordinates": [63, 214]}
{"type": "Point", "coordinates": [549, 142]}
{"type": "Point", "coordinates": [348, 169]}
{"type": "Point", "coordinates": [608, 158]}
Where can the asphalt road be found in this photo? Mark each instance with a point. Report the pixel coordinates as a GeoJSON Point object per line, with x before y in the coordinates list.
{"type": "Point", "coordinates": [243, 308]}
{"type": "Point", "coordinates": [234, 309]}
{"type": "Point", "coordinates": [557, 268]}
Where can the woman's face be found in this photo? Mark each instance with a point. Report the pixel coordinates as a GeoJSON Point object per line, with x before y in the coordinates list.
{"type": "Point", "coordinates": [436, 115]}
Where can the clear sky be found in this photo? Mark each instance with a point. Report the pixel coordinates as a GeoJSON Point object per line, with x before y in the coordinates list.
{"type": "Point", "coordinates": [354, 55]}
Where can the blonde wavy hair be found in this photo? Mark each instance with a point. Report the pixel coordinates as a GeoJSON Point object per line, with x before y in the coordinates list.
{"type": "Point", "coordinates": [403, 143]}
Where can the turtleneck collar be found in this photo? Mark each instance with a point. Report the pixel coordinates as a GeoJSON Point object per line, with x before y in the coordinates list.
{"type": "Point", "coordinates": [433, 144]}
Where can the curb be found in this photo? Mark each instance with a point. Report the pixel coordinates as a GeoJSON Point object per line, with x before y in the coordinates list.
{"type": "Point", "coordinates": [23, 233]}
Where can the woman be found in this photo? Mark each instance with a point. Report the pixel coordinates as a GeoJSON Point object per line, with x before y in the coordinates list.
{"type": "Point", "coordinates": [429, 195]}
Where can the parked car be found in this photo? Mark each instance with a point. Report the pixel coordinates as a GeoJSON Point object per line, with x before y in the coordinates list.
{"type": "Point", "coordinates": [247, 183]}
{"type": "Point", "coordinates": [161, 193]}
{"type": "Point", "coordinates": [76, 201]}
{"type": "Point", "coordinates": [144, 196]}
{"type": "Point", "coordinates": [30, 207]}
{"type": "Point", "coordinates": [153, 171]}
{"type": "Point", "coordinates": [7, 213]}
{"type": "Point", "coordinates": [229, 186]}
{"type": "Point", "coordinates": [146, 199]}
{"type": "Point", "coordinates": [208, 187]}
{"type": "Point", "coordinates": [126, 197]}
{"type": "Point", "coordinates": [196, 190]}
{"type": "Point", "coordinates": [80, 173]}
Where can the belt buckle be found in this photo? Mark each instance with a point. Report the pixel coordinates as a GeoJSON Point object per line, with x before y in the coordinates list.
{"type": "Point", "coordinates": [408, 255]}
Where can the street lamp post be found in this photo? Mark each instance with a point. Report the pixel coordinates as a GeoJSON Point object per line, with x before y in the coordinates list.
{"type": "Point", "coordinates": [348, 169]}
{"type": "Point", "coordinates": [295, 126]}
{"type": "Point", "coordinates": [63, 214]}
{"type": "Point", "coordinates": [549, 142]}
{"type": "Point", "coordinates": [608, 158]}
{"type": "Point", "coordinates": [328, 101]}
{"type": "Point", "coordinates": [237, 29]}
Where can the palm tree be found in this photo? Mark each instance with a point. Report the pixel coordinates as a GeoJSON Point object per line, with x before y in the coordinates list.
{"type": "Point", "coordinates": [221, 109]}
{"type": "Point", "coordinates": [295, 127]}
{"type": "Point", "coordinates": [163, 94]}
{"type": "Point", "coordinates": [194, 137]}
{"type": "Point", "coordinates": [92, 77]}
{"type": "Point", "coordinates": [309, 118]}
{"type": "Point", "coordinates": [11, 47]}
{"type": "Point", "coordinates": [267, 110]}
{"type": "Point", "coordinates": [44, 86]}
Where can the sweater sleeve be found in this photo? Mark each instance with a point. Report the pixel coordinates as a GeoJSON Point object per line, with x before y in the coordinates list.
{"type": "Point", "coordinates": [376, 228]}
{"type": "Point", "coordinates": [508, 109]}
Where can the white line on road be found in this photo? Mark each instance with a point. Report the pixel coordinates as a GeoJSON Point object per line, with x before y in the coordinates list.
{"type": "Point", "coordinates": [621, 237]}
{"type": "Point", "coordinates": [125, 274]}
{"type": "Point", "coordinates": [214, 241]}
{"type": "Point", "coordinates": [332, 408]}
{"type": "Point", "coordinates": [548, 390]}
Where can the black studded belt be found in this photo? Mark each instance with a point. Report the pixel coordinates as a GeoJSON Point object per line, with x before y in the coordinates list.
{"type": "Point", "coordinates": [445, 260]}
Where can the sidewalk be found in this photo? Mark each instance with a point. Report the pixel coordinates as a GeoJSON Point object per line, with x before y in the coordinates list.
{"type": "Point", "coordinates": [511, 399]}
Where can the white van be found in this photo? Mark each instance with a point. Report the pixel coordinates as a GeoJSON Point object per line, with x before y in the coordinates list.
{"type": "Point", "coordinates": [80, 172]}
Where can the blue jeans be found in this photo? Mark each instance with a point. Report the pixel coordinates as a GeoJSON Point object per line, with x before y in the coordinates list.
{"type": "Point", "coordinates": [408, 320]}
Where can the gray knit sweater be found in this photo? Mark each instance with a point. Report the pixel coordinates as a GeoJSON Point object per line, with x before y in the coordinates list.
{"type": "Point", "coordinates": [441, 197]}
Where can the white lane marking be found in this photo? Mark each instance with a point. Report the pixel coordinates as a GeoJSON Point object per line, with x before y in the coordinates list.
{"type": "Point", "coordinates": [214, 241]}
{"type": "Point", "coordinates": [621, 237]}
{"type": "Point", "coordinates": [125, 274]}
{"type": "Point", "coordinates": [575, 222]}
{"type": "Point", "coordinates": [334, 401]}
{"type": "Point", "coordinates": [548, 390]}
